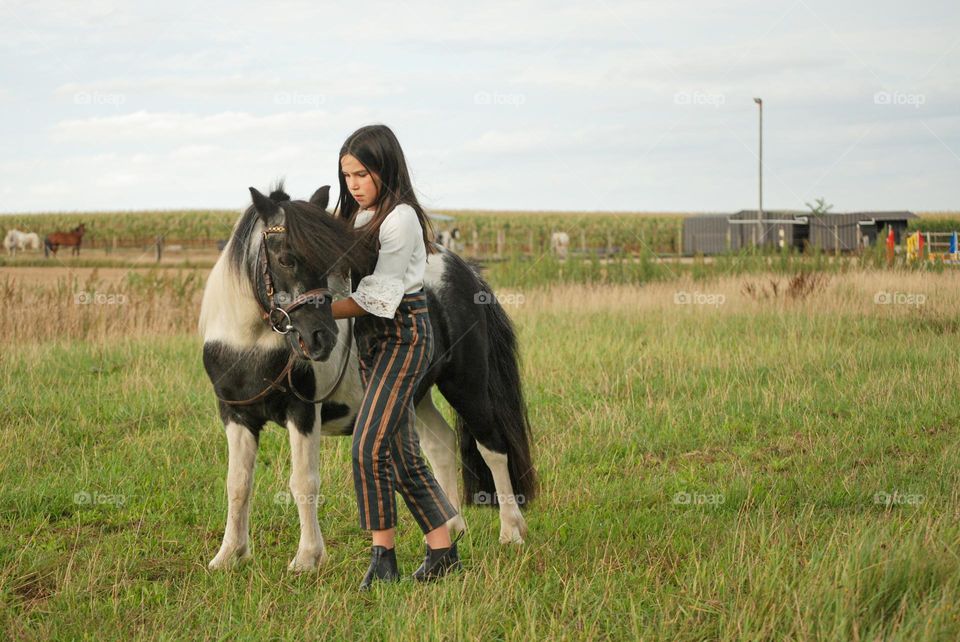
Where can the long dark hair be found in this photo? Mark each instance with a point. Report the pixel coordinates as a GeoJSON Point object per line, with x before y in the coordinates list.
{"type": "Point", "coordinates": [378, 150]}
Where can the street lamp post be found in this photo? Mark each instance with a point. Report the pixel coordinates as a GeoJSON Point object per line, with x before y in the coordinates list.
{"type": "Point", "coordinates": [759, 102]}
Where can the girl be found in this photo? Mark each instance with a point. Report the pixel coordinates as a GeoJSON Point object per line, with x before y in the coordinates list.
{"type": "Point", "coordinates": [395, 341]}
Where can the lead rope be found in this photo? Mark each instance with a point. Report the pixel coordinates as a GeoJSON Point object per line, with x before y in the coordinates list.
{"type": "Point", "coordinates": [288, 373]}
{"type": "Point", "coordinates": [275, 384]}
{"type": "Point", "coordinates": [336, 384]}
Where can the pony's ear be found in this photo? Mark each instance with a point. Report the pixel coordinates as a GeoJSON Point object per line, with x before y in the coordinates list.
{"type": "Point", "coordinates": [264, 206]}
{"type": "Point", "coordinates": [321, 197]}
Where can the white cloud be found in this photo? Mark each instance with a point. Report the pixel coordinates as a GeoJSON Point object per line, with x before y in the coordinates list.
{"type": "Point", "coordinates": [175, 104]}
{"type": "Point", "coordinates": [240, 86]}
{"type": "Point", "coordinates": [544, 141]}
{"type": "Point", "coordinates": [144, 126]}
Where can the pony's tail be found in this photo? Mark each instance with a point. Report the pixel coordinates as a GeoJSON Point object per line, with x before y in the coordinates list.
{"type": "Point", "coordinates": [509, 413]}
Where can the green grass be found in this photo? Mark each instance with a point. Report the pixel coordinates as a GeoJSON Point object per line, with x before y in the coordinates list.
{"type": "Point", "coordinates": [783, 427]}
{"type": "Point", "coordinates": [517, 271]}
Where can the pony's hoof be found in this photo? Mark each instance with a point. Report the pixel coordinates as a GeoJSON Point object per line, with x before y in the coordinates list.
{"type": "Point", "coordinates": [513, 528]}
{"type": "Point", "coordinates": [456, 525]}
{"type": "Point", "coordinates": [307, 562]}
{"type": "Point", "coordinates": [511, 536]}
{"type": "Point", "coordinates": [230, 558]}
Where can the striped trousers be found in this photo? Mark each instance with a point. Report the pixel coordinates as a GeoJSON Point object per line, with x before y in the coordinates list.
{"type": "Point", "coordinates": [394, 355]}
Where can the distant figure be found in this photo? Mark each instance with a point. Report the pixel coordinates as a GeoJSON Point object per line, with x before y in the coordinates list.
{"type": "Point", "coordinates": [449, 238]}
{"type": "Point", "coordinates": [17, 240]}
{"type": "Point", "coordinates": [560, 244]}
{"type": "Point", "coordinates": [70, 239]}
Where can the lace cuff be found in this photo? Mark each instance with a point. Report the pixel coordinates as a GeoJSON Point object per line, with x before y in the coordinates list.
{"type": "Point", "coordinates": [379, 295]}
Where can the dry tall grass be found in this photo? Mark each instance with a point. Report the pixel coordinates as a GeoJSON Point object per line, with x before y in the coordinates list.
{"type": "Point", "coordinates": [164, 303]}
{"type": "Point", "coordinates": [97, 309]}
{"type": "Point", "coordinates": [856, 293]}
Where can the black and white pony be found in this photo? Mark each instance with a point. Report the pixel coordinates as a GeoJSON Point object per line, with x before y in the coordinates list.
{"type": "Point", "coordinates": [281, 250]}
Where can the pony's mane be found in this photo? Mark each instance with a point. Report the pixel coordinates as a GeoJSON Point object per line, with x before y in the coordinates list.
{"type": "Point", "coordinates": [323, 240]}
{"type": "Point", "coordinates": [240, 242]}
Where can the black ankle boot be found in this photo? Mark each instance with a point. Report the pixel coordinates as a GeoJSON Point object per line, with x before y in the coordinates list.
{"type": "Point", "coordinates": [439, 562]}
{"type": "Point", "coordinates": [383, 566]}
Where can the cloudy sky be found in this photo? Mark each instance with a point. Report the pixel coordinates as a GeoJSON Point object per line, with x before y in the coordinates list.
{"type": "Point", "coordinates": [603, 105]}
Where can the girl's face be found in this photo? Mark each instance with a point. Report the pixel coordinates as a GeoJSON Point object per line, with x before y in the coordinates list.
{"type": "Point", "coordinates": [364, 185]}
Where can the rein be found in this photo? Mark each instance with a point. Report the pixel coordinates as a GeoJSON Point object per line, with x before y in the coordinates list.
{"type": "Point", "coordinates": [269, 316]}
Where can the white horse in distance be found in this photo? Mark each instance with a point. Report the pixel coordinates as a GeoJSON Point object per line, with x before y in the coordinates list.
{"type": "Point", "coordinates": [17, 240]}
{"type": "Point", "coordinates": [560, 244]}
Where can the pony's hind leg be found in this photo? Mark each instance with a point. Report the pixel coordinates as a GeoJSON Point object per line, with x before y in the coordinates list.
{"type": "Point", "coordinates": [481, 427]}
{"type": "Point", "coordinates": [439, 442]}
{"type": "Point", "coordinates": [305, 487]}
{"type": "Point", "coordinates": [513, 527]}
{"type": "Point", "coordinates": [236, 537]}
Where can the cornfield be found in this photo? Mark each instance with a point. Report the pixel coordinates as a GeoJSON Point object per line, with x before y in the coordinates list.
{"type": "Point", "coordinates": [481, 232]}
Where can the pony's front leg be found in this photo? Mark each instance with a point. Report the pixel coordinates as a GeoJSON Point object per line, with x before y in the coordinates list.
{"type": "Point", "coordinates": [305, 486]}
{"type": "Point", "coordinates": [236, 537]}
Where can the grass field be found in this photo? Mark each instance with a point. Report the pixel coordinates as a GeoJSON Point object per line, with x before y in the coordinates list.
{"type": "Point", "coordinates": [744, 456]}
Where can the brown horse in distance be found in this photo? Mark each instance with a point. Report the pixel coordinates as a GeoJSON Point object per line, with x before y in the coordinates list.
{"type": "Point", "coordinates": [70, 239]}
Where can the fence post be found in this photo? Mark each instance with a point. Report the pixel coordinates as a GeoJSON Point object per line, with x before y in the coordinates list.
{"type": "Point", "coordinates": [583, 242]}
{"type": "Point", "coordinates": [159, 244]}
{"type": "Point", "coordinates": [530, 236]}
{"type": "Point", "coordinates": [476, 242]}
{"type": "Point", "coordinates": [501, 241]}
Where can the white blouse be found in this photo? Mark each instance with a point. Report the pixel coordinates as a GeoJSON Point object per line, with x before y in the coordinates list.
{"type": "Point", "coordinates": [400, 265]}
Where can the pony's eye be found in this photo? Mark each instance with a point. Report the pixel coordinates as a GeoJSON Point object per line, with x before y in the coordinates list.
{"type": "Point", "coordinates": [287, 261]}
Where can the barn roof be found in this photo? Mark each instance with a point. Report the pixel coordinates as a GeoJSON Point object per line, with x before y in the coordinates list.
{"type": "Point", "coordinates": [769, 214]}
{"type": "Point", "coordinates": [886, 216]}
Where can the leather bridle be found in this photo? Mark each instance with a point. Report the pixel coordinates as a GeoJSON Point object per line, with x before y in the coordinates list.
{"type": "Point", "coordinates": [270, 316]}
